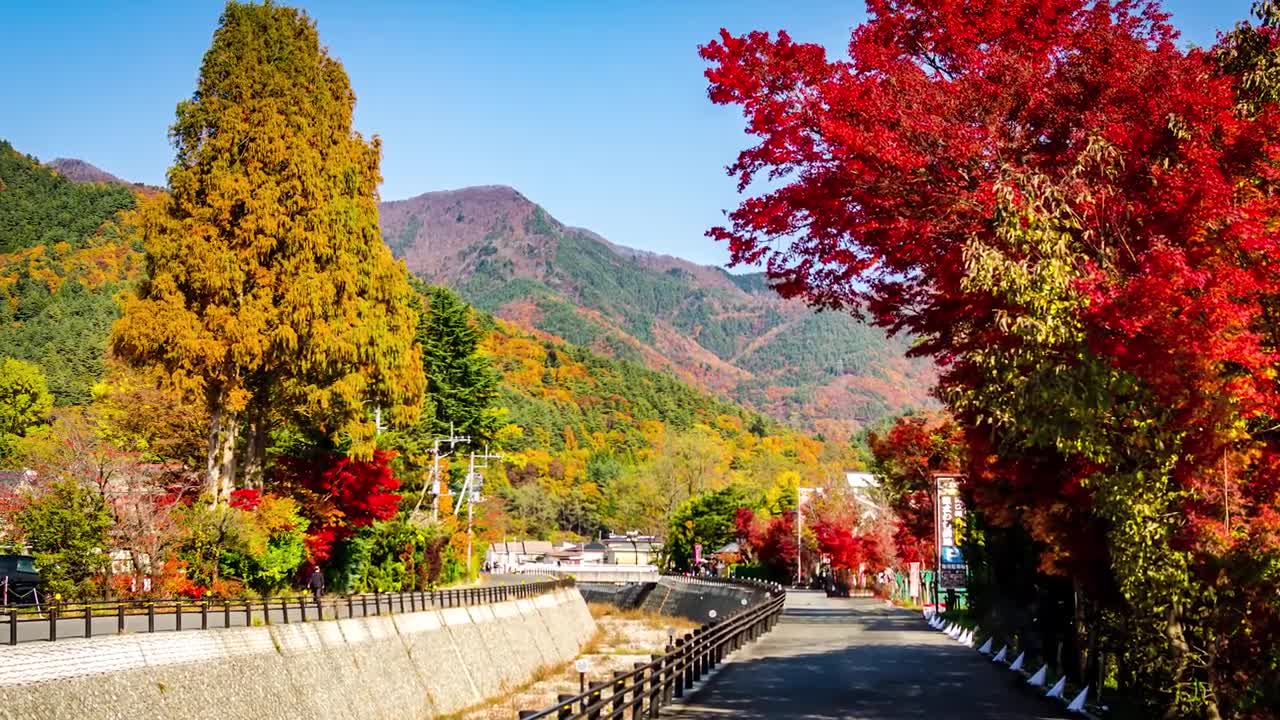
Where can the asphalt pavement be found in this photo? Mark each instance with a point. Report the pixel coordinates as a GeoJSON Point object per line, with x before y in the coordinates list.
{"type": "Point", "coordinates": [856, 658]}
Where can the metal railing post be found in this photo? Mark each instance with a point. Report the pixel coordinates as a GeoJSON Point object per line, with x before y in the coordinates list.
{"type": "Point", "coordinates": [566, 706]}
{"type": "Point", "coordinates": [284, 609]}
{"type": "Point", "coordinates": [656, 684]}
{"type": "Point", "coordinates": [637, 690]}
{"type": "Point", "coordinates": [593, 698]}
{"type": "Point", "coordinates": [681, 666]}
{"type": "Point", "coordinates": [204, 615]}
{"type": "Point", "coordinates": [88, 621]}
{"type": "Point", "coordinates": [13, 627]}
{"type": "Point", "coordinates": [619, 696]}
{"type": "Point", "coordinates": [177, 615]}
{"type": "Point", "coordinates": [53, 624]}
{"type": "Point", "coordinates": [120, 619]}
{"type": "Point", "coordinates": [151, 617]}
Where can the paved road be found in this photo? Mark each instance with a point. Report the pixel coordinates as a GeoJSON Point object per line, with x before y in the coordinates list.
{"type": "Point", "coordinates": [855, 658]}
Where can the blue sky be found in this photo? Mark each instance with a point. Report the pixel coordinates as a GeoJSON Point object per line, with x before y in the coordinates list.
{"type": "Point", "coordinates": [596, 110]}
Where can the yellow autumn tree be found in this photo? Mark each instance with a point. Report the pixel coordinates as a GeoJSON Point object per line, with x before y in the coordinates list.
{"type": "Point", "coordinates": [269, 293]}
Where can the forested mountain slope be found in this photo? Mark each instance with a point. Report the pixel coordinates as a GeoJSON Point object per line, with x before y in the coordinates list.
{"type": "Point", "coordinates": [61, 261]}
{"type": "Point", "coordinates": [727, 333]}
{"type": "Point", "coordinates": [589, 441]}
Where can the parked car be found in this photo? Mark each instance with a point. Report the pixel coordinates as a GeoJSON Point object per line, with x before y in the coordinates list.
{"type": "Point", "coordinates": [19, 579]}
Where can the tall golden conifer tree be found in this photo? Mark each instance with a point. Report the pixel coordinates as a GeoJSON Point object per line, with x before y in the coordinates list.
{"type": "Point", "coordinates": [269, 291]}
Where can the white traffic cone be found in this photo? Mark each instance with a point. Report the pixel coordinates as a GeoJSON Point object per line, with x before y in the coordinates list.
{"type": "Point", "coordinates": [1037, 680]}
{"type": "Point", "coordinates": [966, 637]}
{"type": "Point", "coordinates": [1077, 705]}
{"type": "Point", "coordinates": [1017, 662]}
{"type": "Point", "coordinates": [1001, 656]}
{"type": "Point", "coordinates": [1058, 687]}
{"type": "Point", "coordinates": [986, 647]}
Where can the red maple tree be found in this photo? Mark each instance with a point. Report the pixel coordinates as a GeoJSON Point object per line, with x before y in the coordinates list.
{"type": "Point", "coordinates": [873, 176]}
{"type": "Point", "coordinates": [338, 495]}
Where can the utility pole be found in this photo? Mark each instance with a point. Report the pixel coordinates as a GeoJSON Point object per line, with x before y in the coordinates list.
{"type": "Point", "coordinates": [801, 493]}
{"type": "Point", "coordinates": [434, 480]}
{"type": "Point", "coordinates": [471, 492]}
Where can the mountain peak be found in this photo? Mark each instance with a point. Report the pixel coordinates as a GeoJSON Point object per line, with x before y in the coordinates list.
{"type": "Point", "coordinates": [79, 171]}
{"type": "Point", "coordinates": [472, 193]}
{"type": "Point", "coordinates": [725, 333]}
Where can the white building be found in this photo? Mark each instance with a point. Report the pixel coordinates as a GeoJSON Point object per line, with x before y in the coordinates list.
{"type": "Point", "coordinates": [511, 555]}
{"type": "Point", "coordinates": [865, 487]}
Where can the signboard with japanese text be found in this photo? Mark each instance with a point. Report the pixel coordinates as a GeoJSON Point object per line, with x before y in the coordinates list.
{"type": "Point", "coordinates": [950, 516]}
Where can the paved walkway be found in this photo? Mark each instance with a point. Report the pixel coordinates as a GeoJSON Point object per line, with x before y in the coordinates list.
{"type": "Point", "coordinates": [855, 658]}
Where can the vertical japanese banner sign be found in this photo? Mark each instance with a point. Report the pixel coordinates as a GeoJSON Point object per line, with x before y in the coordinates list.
{"type": "Point", "coordinates": [913, 590]}
{"type": "Point", "coordinates": [697, 553]}
{"type": "Point", "coordinates": [950, 512]}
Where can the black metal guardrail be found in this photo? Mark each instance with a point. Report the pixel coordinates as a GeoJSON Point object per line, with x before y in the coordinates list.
{"type": "Point", "coordinates": [184, 614]}
{"type": "Point", "coordinates": [643, 691]}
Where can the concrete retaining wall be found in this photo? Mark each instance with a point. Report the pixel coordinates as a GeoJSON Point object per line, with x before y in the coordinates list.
{"type": "Point", "coordinates": [629, 595]}
{"type": "Point", "coordinates": [392, 667]}
{"type": "Point", "coordinates": [695, 599]}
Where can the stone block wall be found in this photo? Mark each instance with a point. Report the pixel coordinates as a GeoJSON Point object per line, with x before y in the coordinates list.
{"type": "Point", "coordinates": [391, 667]}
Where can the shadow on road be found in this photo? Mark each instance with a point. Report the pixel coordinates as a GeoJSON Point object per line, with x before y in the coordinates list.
{"type": "Point", "coordinates": [837, 659]}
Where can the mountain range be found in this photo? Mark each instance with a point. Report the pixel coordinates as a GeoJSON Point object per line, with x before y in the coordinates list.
{"type": "Point", "coordinates": [724, 332]}
{"type": "Point", "coordinates": [728, 333]}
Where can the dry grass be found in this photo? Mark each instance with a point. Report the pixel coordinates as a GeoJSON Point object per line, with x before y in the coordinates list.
{"type": "Point", "coordinates": [623, 638]}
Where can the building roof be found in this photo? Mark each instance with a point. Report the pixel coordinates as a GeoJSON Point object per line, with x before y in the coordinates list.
{"type": "Point", "coordinates": [859, 480]}
{"type": "Point", "coordinates": [595, 546]}
{"type": "Point", "coordinates": [522, 547]}
{"type": "Point", "coordinates": [622, 542]}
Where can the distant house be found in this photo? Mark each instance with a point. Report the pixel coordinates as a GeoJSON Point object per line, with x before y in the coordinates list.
{"type": "Point", "coordinates": [511, 555]}
{"type": "Point", "coordinates": [594, 553]}
{"type": "Point", "coordinates": [864, 487]}
{"type": "Point", "coordinates": [632, 549]}
{"type": "Point", "coordinates": [729, 554]}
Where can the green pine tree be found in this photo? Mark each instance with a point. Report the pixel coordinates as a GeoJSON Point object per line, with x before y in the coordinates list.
{"type": "Point", "coordinates": [462, 386]}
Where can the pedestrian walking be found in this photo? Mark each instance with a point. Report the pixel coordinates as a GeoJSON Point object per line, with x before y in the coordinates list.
{"type": "Point", "coordinates": [316, 583]}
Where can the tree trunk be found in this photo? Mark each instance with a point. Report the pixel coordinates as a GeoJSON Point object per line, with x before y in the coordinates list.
{"type": "Point", "coordinates": [255, 455]}
{"type": "Point", "coordinates": [213, 458]}
{"type": "Point", "coordinates": [1181, 662]}
{"type": "Point", "coordinates": [227, 450]}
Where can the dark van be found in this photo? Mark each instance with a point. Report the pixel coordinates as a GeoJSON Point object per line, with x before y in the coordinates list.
{"type": "Point", "coordinates": [18, 579]}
